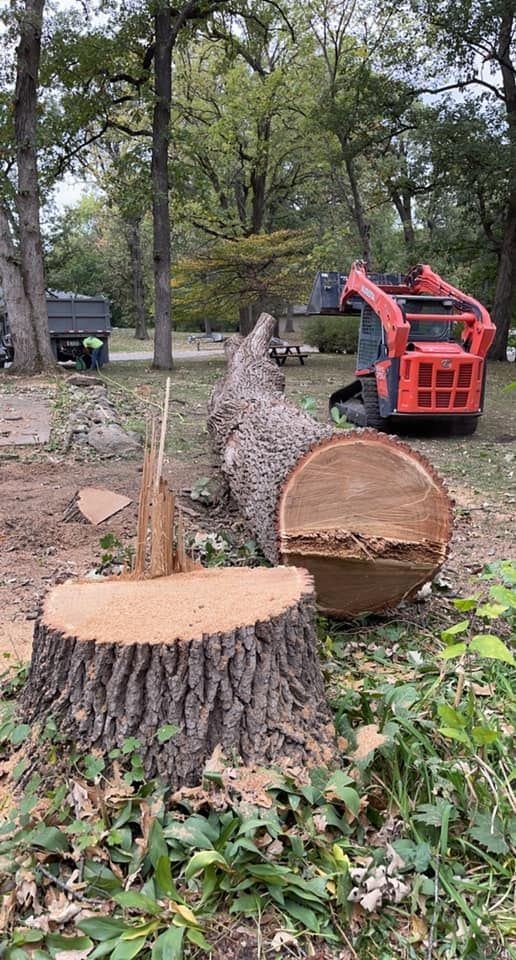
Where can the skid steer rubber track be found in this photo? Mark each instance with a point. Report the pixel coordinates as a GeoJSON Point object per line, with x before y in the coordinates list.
{"type": "Point", "coordinates": [372, 406]}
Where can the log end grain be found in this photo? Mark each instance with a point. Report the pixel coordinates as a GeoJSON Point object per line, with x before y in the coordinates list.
{"type": "Point", "coordinates": [368, 517]}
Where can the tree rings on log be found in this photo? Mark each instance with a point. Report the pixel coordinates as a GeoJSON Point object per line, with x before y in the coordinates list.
{"type": "Point", "coordinates": [227, 656]}
{"type": "Point", "coordinates": [368, 517]}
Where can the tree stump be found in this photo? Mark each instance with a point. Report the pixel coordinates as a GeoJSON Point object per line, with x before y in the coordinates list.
{"type": "Point", "coordinates": [365, 514]}
{"type": "Point", "coordinates": [228, 656]}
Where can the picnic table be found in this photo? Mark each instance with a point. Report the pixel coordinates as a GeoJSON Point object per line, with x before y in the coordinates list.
{"type": "Point", "coordinates": [281, 351]}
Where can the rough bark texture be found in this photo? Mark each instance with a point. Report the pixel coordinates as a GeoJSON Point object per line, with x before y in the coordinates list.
{"type": "Point", "coordinates": [363, 512]}
{"type": "Point", "coordinates": [258, 433]}
{"type": "Point", "coordinates": [160, 185]}
{"type": "Point", "coordinates": [32, 345]}
{"type": "Point", "coordinates": [17, 304]}
{"type": "Point", "coordinates": [255, 690]}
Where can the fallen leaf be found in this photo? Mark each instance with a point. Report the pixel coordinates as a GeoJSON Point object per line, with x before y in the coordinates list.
{"type": "Point", "coordinates": [281, 939]}
{"type": "Point", "coordinates": [370, 901]}
{"type": "Point", "coordinates": [418, 929]}
{"type": "Point", "coordinates": [397, 863]}
{"type": "Point", "coordinates": [368, 738]}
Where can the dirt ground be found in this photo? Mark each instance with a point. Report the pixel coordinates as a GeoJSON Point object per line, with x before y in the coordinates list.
{"type": "Point", "coordinates": [38, 549]}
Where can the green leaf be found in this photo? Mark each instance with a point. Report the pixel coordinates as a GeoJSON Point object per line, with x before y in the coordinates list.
{"type": "Point", "coordinates": [450, 716]}
{"type": "Point", "coordinates": [93, 766]}
{"type": "Point", "coordinates": [491, 611]}
{"type": "Point", "coordinates": [157, 843]}
{"type": "Point", "coordinates": [433, 814]}
{"type": "Point", "coordinates": [169, 946]}
{"type": "Point", "coordinates": [487, 645]}
{"type": "Point", "coordinates": [463, 605]}
{"type": "Point", "coordinates": [504, 595]}
{"type": "Point", "coordinates": [248, 903]}
{"type": "Point", "coordinates": [102, 928]}
{"type": "Point", "coordinates": [55, 943]}
{"type": "Point", "coordinates": [163, 879]}
{"type": "Point", "coordinates": [166, 732]}
{"type": "Point", "coordinates": [103, 949]}
{"type": "Point", "coordinates": [49, 838]}
{"type": "Point", "coordinates": [20, 734]}
{"type": "Point", "coordinates": [483, 736]}
{"type": "Point", "coordinates": [307, 917]}
{"type": "Point", "coordinates": [203, 859]}
{"type": "Point", "coordinates": [452, 733]}
{"type": "Point", "coordinates": [130, 744]}
{"type": "Point", "coordinates": [488, 832]}
{"type": "Point", "coordinates": [337, 787]}
{"type": "Point", "coordinates": [137, 901]}
{"type": "Point", "coordinates": [451, 632]}
{"type": "Point", "coordinates": [27, 936]}
{"type": "Point", "coordinates": [127, 949]}
{"type": "Point", "coordinates": [197, 937]}
{"type": "Point", "coordinates": [455, 650]}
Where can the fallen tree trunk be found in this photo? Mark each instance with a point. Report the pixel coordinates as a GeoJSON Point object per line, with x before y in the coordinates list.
{"type": "Point", "coordinates": [367, 515]}
{"type": "Point", "coordinates": [226, 656]}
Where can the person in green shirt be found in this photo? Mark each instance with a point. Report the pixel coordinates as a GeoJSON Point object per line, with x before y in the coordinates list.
{"type": "Point", "coordinates": [93, 346]}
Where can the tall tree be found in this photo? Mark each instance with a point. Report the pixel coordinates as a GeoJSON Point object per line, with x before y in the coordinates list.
{"type": "Point", "coordinates": [475, 42]}
{"type": "Point", "coordinates": [21, 263]}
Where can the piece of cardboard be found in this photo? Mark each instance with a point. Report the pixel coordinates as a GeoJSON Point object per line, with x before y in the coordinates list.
{"type": "Point", "coordinates": [97, 504]}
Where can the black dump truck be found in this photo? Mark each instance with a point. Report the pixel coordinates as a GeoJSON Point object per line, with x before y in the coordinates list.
{"type": "Point", "coordinates": [71, 318]}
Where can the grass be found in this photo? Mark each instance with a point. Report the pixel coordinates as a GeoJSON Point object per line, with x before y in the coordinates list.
{"type": "Point", "coordinates": [122, 340]}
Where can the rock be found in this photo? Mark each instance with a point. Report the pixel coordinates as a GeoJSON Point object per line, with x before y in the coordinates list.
{"type": "Point", "coordinates": [110, 440]}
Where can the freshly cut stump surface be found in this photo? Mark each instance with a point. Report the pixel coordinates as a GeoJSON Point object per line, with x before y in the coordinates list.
{"type": "Point", "coordinates": [228, 656]}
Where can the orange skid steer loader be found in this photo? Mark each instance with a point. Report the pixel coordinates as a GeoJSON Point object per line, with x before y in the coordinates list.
{"type": "Point", "coordinates": [410, 361]}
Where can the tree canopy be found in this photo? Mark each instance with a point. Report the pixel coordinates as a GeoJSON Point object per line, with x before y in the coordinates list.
{"type": "Point", "coordinates": [312, 132]}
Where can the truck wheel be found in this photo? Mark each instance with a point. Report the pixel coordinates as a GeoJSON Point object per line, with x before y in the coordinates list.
{"type": "Point", "coordinates": [371, 405]}
{"type": "Point", "coordinates": [463, 426]}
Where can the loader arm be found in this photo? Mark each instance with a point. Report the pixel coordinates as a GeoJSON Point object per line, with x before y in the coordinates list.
{"type": "Point", "coordinates": [479, 330]}
{"type": "Point", "coordinates": [394, 324]}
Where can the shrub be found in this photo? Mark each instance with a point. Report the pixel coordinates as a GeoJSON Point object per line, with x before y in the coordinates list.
{"type": "Point", "coordinates": [333, 334]}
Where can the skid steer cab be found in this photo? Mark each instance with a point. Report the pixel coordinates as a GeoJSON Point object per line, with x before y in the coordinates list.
{"type": "Point", "coordinates": [422, 348]}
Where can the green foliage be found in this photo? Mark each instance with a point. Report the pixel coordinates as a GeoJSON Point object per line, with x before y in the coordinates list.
{"type": "Point", "coordinates": [116, 555]}
{"type": "Point", "coordinates": [262, 269]}
{"type": "Point", "coordinates": [332, 334]}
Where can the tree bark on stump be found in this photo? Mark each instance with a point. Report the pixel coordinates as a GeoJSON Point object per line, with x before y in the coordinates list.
{"type": "Point", "coordinates": [367, 515]}
{"type": "Point", "coordinates": [228, 656]}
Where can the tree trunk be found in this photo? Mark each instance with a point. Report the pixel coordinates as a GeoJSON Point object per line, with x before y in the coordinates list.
{"type": "Point", "coordinates": [506, 278]}
{"type": "Point", "coordinates": [505, 290]}
{"type": "Point", "coordinates": [363, 512]}
{"type": "Point", "coordinates": [17, 304]}
{"type": "Point", "coordinates": [247, 320]}
{"type": "Point", "coordinates": [33, 350]}
{"type": "Point", "coordinates": [160, 185]}
{"type": "Point", "coordinates": [357, 207]}
{"type": "Point", "coordinates": [289, 323]}
{"type": "Point", "coordinates": [227, 656]}
{"type": "Point", "coordinates": [135, 255]}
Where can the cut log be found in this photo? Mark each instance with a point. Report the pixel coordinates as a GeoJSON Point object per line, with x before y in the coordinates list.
{"type": "Point", "coordinates": [228, 656]}
{"type": "Point", "coordinates": [365, 514]}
